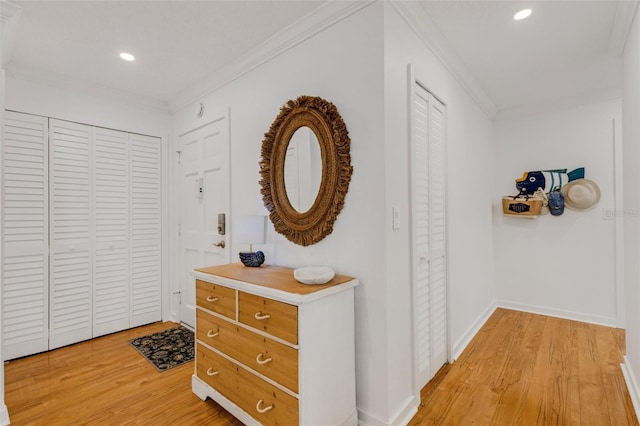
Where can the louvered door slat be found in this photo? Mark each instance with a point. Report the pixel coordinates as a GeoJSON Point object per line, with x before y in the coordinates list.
{"type": "Point", "coordinates": [111, 219]}
{"type": "Point", "coordinates": [25, 235]}
{"type": "Point", "coordinates": [145, 229]}
{"type": "Point", "coordinates": [71, 233]}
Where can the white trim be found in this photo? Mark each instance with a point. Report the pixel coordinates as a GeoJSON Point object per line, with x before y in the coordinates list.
{"type": "Point", "coordinates": [544, 107]}
{"type": "Point", "coordinates": [316, 21]}
{"type": "Point", "coordinates": [558, 313]}
{"type": "Point", "coordinates": [618, 197]}
{"type": "Point", "coordinates": [4, 416]}
{"type": "Point", "coordinates": [366, 419]}
{"type": "Point", "coordinates": [408, 410]}
{"type": "Point", "coordinates": [471, 332]}
{"type": "Point", "coordinates": [625, 12]}
{"type": "Point", "coordinates": [419, 21]}
{"type": "Point", "coordinates": [632, 385]}
{"type": "Point", "coordinates": [402, 417]}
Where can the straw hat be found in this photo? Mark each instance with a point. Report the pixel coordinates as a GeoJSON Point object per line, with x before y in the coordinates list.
{"type": "Point", "coordinates": [580, 194]}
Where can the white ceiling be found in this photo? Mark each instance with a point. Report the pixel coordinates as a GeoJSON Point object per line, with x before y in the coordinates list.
{"type": "Point", "coordinates": [565, 49]}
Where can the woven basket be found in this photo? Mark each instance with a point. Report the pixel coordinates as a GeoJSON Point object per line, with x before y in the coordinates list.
{"type": "Point", "coordinates": [521, 206]}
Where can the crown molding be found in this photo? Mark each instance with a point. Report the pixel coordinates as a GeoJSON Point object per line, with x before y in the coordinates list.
{"type": "Point", "coordinates": [567, 102]}
{"type": "Point", "coordinates": [316, 21]}
{"type": "Point", "coordinates": [420, 22]}
{"type": "Point", "coordinates": [65, 82]}
{"type": "Point", "coordinates": [9, 17]}
{"type": "Point", "coordinates": [625, 12]}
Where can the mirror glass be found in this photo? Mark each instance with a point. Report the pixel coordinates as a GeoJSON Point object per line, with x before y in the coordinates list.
{"type": "Point", "coordinates": [302, 169]}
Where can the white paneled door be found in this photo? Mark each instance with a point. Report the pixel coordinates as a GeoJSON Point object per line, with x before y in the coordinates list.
{"type": "Point", "coordinates": [25, 235]}
{"type": "Point", "coordinates": [204, 202]}
{"type": "Point", "coordinates": [429, 236]}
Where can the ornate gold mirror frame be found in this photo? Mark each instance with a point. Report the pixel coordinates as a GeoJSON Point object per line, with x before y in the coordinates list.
{"type": "Point", "coordinates": [322, 117]}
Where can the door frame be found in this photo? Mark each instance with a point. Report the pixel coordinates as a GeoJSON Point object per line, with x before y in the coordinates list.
{"type": "Point", "coordinates": [412, 81]}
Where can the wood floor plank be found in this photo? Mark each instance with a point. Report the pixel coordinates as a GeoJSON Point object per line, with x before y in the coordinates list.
{"type": "Point", "coordinates": [105, 382]}
{"type": "Point", "coordinates": [527, 369]}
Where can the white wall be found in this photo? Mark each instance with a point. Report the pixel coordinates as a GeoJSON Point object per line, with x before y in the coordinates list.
{"type": "Point", "coordinates": [631, 146]}
{"type": "Point", "coordinates": [469, 138]}
{"type": "Point", "coordinates": [72, 104]}
{"type": "Point", "coordinates": [558, 265]}
{"type": "Point", "coordinates": [343, 64]}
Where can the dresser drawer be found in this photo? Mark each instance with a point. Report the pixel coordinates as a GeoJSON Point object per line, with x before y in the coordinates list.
{"type": "Point", "coordinates": [216, 298]}
{"type": "Point", "coordinates": [275, 360]}
{"type": "Point", "coordinates": [217, 372]}
{"type": "Point", "coordinates": [276, 318]}
{"type": "Point", "coordinates": [265, 402]}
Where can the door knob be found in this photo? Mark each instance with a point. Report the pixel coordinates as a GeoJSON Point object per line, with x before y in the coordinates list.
{"type": "Point", "coordinates": [221, 244]}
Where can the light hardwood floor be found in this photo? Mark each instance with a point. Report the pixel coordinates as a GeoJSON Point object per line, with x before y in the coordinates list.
{"type": "Point", "coordinates": [105, 381]}
{"type": "Point", "coordinates": [520, 369]}
{"type": "Point", "coordinates": [526, 369]}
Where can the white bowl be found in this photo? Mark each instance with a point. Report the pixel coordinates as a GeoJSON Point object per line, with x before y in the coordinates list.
{"type": "Point", "coordinates": [313, 274]}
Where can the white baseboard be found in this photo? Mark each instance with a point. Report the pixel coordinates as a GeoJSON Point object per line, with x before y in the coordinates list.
{"type": "Point", "coordinates": [462, 343]}
{"type": "Point", "coordinates": [4, 416]}
{"type": "Point", "coordinates": [406, 413]}
{"type": "Point", "coordinates": [632, 385]}
{"type": "Point", "coordinates": [402, 417]}
{"type": "Point", "coordinates": [575, 316]}
{"type": "Point", "coordinates": [368, 419]}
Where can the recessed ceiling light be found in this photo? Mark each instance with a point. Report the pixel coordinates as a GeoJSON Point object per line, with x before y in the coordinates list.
{"type": "Point", "coordinates": [127, 56]}
{"type": "Point", "coordinates": [524, 13]}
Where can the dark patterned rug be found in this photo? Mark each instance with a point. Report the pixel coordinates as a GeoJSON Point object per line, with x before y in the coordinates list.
{"type": "Point", "coordinates": [166, 349]}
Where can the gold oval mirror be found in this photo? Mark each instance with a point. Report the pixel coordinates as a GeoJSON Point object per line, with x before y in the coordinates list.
{"type": "Point", "coordinates": [299, 224]}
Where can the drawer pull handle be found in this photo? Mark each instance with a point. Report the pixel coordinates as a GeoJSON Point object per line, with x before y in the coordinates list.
{"type": "Point", "coordinates": [210, 372]}
{"type": "Point", "coordinates": [210, 333]}
{"type": "Point", "coordinates": [260, 316]}
{"type": "Point", "coordinates": [260, 360]}
{"type": "Point", "coordinates": [212, 299]}
{"type": "Point", "coordinates": [264, 409]}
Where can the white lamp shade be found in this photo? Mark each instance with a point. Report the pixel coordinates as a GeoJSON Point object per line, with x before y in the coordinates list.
{"type": "Point", "coordinates": [249, 229]}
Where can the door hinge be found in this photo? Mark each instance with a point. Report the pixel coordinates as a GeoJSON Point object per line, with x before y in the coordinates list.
{"type": "Point", "coordinates": [179, 294]}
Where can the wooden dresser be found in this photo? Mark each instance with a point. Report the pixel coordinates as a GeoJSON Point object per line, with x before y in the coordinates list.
{"type": "Point", "coordinates": [273, 351]}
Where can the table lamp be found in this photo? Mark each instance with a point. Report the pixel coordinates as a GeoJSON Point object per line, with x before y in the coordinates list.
{"type": "Point", "coordinates": [249, 229]}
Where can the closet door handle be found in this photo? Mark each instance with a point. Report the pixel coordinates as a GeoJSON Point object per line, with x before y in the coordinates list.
{"type": "Point", "coordinates": [261, 409]}
{"type": "Point", "coordinates": [210, 333]}
{"type": "Point", "coordinates": [260, 316]}
{"type": "Point", "coordinates": [210, 372]}
{"type": "Point", "coordinates": [261, 360]}
{"type": "Point", "coordinates": [212, 299]}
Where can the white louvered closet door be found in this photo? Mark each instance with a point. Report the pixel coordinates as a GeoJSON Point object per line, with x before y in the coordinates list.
{"type": "Point", "coordinates": [111, 295]}
{"type": "Point", "coordinates": [429, 234]}
{"type": "Point", "coordinates": [71, 226]}
{"type": "Point", "coordinates": [145, 229]}
{"type": "Point", "coordinates": [25, 266]}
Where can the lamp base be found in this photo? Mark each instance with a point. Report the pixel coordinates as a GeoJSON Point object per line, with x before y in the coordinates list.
{"type": "Point", "coordinates": [249, 258]}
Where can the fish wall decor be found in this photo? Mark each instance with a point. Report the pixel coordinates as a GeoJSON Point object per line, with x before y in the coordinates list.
{"type": "Point", "coordinates": [548, 180]}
